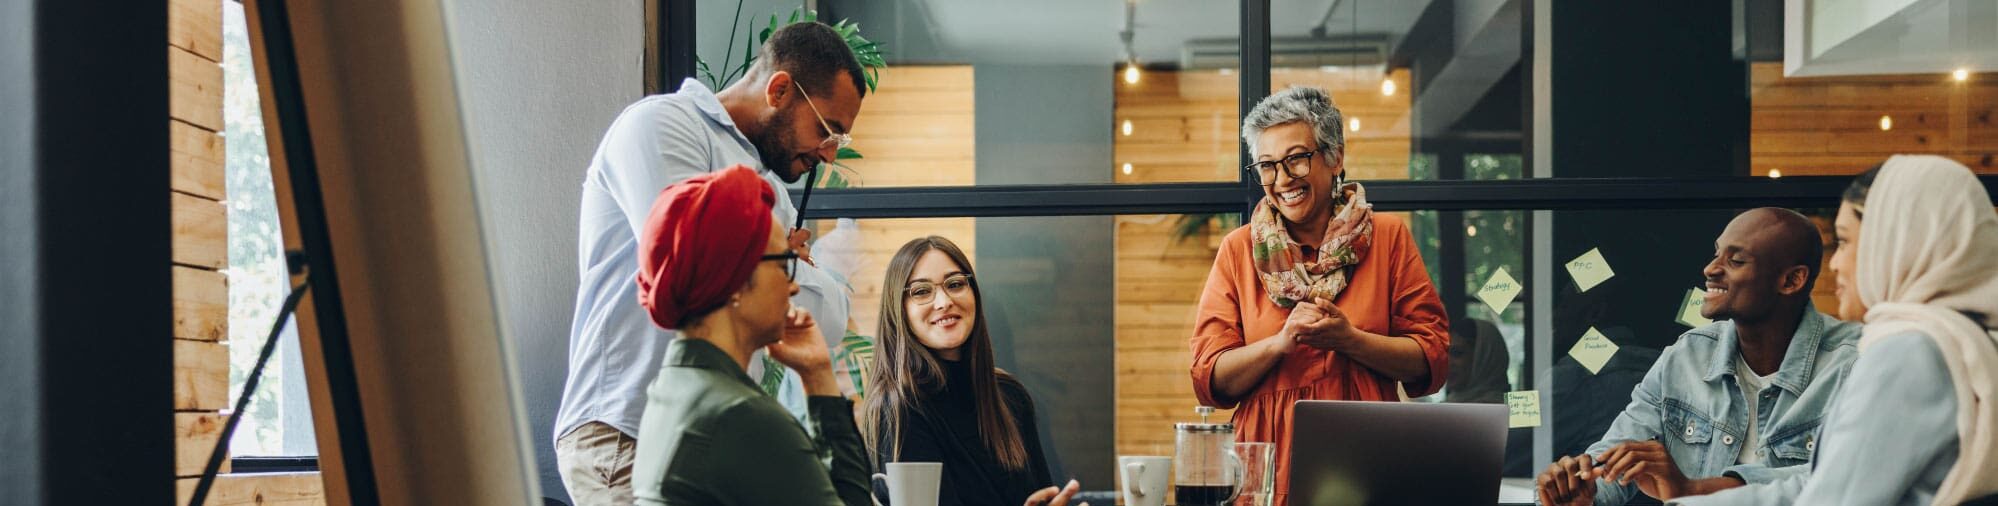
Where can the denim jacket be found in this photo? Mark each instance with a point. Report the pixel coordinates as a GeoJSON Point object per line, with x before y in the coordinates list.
{"type": "Point", "coordinates": [1692, 403]}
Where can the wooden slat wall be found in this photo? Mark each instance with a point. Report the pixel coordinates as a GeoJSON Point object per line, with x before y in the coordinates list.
{"type": "Point", "coordinates": [1158, 285]}
{"type": "Point", "coordinates": [916, 129]}
{"type": "Point", "coordinates": [1185, 127]}
{"type": "Point", "coordinates": [268, 489]}
{"type": "Point", "coordinates": [200, 231]}
{"type": "Point", "coordinates": [1831, 125]}
{"type": "Point", "coordinates": [195, 433]}
{"type": "Point", "coordinates": [200, 257]}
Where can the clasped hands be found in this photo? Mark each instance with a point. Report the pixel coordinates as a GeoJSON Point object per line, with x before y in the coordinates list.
{"type": "Point", "coordinates": [1319, 324]}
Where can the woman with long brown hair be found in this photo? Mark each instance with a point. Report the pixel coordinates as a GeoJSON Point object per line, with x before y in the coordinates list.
{"type": "Point", "coordinates": [933, 393]}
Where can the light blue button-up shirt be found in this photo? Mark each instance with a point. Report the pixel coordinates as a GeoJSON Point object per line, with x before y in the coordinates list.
{"type": "Point", "coordinates": [1890, 438]}
{"type": "Point", "coordinates": [1692, 402]}
{"type": "Point", "coordinates": [614, 349]}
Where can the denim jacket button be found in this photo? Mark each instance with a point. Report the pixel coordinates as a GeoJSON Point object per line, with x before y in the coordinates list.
{"type": "Point", "coordinates": [1810, 445]}
{"type": "Point", "coordinates": [1689, 429]}
{"type": "Point", "coordinates": [1727, 439]}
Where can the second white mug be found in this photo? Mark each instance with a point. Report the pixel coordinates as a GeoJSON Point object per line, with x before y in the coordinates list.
{"type": "Point", "coordinates": [1144, 479]}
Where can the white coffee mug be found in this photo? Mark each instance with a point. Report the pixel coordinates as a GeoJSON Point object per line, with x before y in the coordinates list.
{"type": "Point", "coordinates": [1144, 479]}
{"type": "Point", "coordinates": [912, 483]}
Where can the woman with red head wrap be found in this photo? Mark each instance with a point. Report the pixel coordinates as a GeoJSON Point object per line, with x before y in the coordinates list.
{"type": "Point", "coordinates": [714, 265]}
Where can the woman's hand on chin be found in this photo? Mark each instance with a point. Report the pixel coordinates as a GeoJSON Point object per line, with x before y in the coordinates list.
{"type": "Point", "coordinates": [801, 347]}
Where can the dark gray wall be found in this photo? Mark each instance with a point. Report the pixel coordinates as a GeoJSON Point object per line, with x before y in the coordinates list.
{"type": "Point", "coordinates": [1048, 280]}
{"type": "Point", "coordinates": [84, 381]}
{"type": "Point", "coordinates": [540, 82]}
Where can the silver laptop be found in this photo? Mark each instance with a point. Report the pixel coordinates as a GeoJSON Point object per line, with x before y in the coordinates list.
{"type": "Point", "coordinates": [1346, 452]}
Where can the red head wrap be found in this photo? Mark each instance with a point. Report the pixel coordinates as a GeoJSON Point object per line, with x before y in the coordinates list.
{"type": "Point", "coordinates": [702, 240]}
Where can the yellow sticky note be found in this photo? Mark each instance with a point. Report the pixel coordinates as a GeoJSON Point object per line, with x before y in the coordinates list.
{"type": "Point", "coordinates": [1689, 311]}
{"type": "Point", "coordinates": [1500, 291]}
{"type": "Point", "coordinates": [1524, 408]}
{"type": "Point", "coordinates": [1590, 269]}
{"type": "Point", "coordinates": [1593, 350]}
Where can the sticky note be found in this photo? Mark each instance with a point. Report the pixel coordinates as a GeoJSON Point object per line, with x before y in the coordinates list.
{"type": "Point", "coordinates": [1500, 291]}
{"type": "Point", "coordinates": [1689, 311]}
{"type": "Point", "coordinates": [1593, 350]}
{"type": "Point", "coordinates": [1523, 409]}
{"type": "Point", "coordinates": [1590, 269]}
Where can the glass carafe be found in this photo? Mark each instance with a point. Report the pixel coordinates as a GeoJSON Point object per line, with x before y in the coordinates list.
{"type": "Point", "coordinates": [1205, 468]}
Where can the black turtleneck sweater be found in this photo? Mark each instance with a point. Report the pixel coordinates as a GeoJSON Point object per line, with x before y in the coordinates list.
{"type": "Point", "coordinates": [943, 427]}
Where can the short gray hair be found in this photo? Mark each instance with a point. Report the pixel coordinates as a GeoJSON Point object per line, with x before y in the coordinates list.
{"type": "Point", "coordinates": [1299, 103]}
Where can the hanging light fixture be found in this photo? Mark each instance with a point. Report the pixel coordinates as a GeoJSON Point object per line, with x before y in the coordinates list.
{"type": "Point", "coordinates": [1129, 32]}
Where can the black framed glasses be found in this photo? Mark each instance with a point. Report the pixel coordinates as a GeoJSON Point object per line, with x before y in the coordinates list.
{"type": "Point", "coordinates": [923, 292]}
{"type": "Point", "coordinates": [790, 259]}
{"type": "Point", "coordinates": [1297, 165]}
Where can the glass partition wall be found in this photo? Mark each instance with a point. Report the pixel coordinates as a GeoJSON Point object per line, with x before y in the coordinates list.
{"type": "Point", "coordinates": [1087, 156]}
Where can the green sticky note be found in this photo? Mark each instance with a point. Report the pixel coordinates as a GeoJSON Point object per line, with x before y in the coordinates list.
{"type": "Point", "coordinates": [1500, 291]}
{"type": "Point", "coordinates": [1689, 311]}
{"type": "Point", "coordinates": [1524, 408]}
{"type": "Point", "coordinates": [1590, 269]}
{"type": "Point", "coordinates": [1593, 350]}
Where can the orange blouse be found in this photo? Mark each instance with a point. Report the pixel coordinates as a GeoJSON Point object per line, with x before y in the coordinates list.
{"type": "Point", "coordinates": [1389, 294]}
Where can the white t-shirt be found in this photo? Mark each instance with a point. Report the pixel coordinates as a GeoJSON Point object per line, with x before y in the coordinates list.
{"type": "Point", "coordinates": [1751, 389]}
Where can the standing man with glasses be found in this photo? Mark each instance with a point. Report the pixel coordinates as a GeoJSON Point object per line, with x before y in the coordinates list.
{"type": "Point", "coordinates": [790, 113]}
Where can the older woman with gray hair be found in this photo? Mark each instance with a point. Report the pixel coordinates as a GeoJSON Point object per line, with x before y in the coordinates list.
{"type": "Point", "coordinates": [1317, 297]}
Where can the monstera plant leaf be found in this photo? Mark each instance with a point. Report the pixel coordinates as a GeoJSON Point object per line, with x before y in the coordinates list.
{"type": "Point", "coordinates": [868, 52]}
{"type": "Point", "coordinates": [853, 355]}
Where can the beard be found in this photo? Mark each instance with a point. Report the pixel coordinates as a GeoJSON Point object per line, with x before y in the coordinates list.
{"type": "Point", "coordinates": [773, 148]}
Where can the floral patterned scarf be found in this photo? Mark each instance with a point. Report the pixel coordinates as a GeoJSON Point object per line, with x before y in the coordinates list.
{"type": "Point", "coordinates": [1280, 260]}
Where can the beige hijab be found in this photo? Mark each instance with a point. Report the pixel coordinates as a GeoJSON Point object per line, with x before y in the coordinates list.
{"type": "Point", "coordinates": [1928, 253]}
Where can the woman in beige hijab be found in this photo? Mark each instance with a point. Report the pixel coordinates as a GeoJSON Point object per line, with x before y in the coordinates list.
{"type": "Point", "coordinates": [1916, 421]}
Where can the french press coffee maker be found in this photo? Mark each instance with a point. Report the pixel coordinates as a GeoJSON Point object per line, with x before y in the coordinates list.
{"type": "Point", "coordinates": [1205, 469]}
